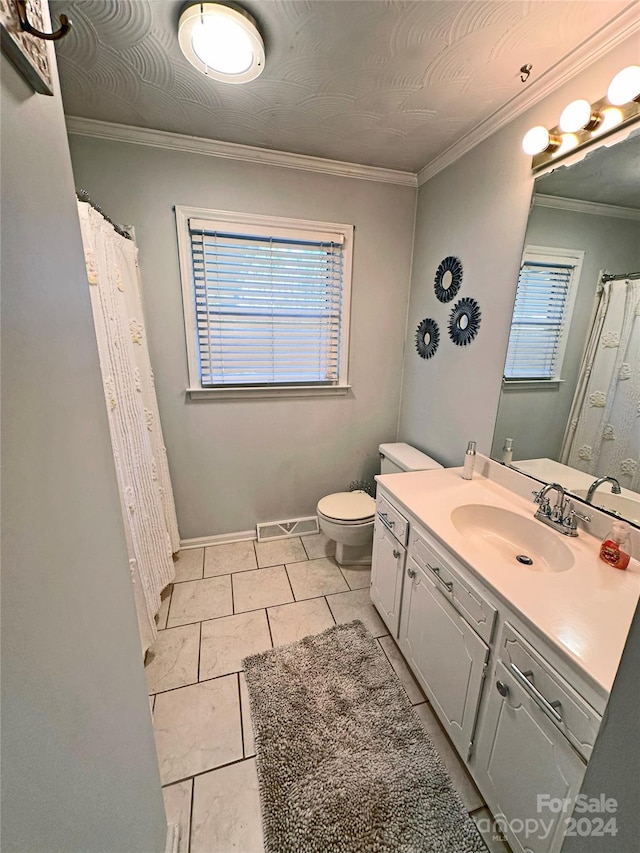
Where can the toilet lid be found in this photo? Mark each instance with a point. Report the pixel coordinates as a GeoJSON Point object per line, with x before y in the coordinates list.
{"type": "Point", "coordinates": [348, 506]}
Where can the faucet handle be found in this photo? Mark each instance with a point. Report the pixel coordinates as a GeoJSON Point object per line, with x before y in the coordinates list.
{"type": "Point", "coordinates": [537, 494]}
{"type": "Point", "coordinates": [571, 519]}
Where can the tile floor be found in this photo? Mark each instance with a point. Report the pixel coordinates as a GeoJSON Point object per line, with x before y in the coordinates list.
{"type": "Point", "coordinates": [227, 602]}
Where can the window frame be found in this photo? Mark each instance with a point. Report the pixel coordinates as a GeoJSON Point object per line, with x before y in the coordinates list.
{"type": "Point", "coordinates": [554, 254]}
{"type": "Point", "coordinates": [245, 222]}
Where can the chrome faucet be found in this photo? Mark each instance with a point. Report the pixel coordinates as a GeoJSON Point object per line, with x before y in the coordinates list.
{"type": "Point", "coordinates": [545, 511]}
{"type": "Point", "coordinates": [562, 516]}
{"type": "Point", "coordinates": [615, 487]}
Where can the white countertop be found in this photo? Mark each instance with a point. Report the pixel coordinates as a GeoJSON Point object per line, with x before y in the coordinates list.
{"type": "Point", "coordinates": [585, 611]}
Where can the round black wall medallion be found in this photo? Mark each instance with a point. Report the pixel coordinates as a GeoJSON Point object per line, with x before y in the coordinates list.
{"type": "Point", "coordinates": [448, 279]}
{"type": "Point", "coordinates": [427, 338]}
{"type": "Point", "coordinates": [464, 321]}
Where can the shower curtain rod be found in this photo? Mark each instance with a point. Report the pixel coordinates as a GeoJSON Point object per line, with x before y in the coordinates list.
{"type": "Point", "coordinates": [83, 195]}
{"type": "Point", "coordinates": [620, 277]}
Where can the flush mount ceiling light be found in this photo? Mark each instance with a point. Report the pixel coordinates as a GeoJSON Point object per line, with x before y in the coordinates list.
{"type": "Point", "coordinates": [222, 42]}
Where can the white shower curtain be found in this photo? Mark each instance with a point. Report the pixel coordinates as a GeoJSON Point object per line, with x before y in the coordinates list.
{"type": "Point", "coordinates": [140, 457]}
{"type": "Point", "coordinates": [603, 433]}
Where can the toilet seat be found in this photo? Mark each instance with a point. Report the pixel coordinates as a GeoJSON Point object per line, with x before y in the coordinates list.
{"type": "Point", "coordinates": [348, 508]}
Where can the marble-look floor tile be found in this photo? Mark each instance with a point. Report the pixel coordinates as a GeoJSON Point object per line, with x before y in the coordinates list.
{"type": "Point", "coordinates": [463, 783]}
{"type": "Point", "coordinates": [203, 599]}
{"type": "Point", "coordinates": [261, 588]}
{"type": "Point", "coordinates": [358, 577]}
{"type": "Point", "coordinates": [172, 661]}
{"type": "Point", "coordinates": [189, 565]}
{"type": "Point", "coordinates": [280, 551]}
{"type": "Point", "coordinates": [226, 811]}
{"type": "Point", "coordinates": [229, 558]}
{"type": "Point", "coordinates": [247, 725]}
{"type": "Point", "coordinates": [177, 805]}
{"type": "Point", "coordinates": [291, 622]}
{"type": "Point", "coordinates": [489, 832]}
{"type": "Point", "coordinates": [316, 577]}
{"type": "Point", "coordinates": [225, 642]}
{"type": "Point", "coordinates": [356, 604]}
{"type": "Point", "coordinates": [411, 686]}
{"type": "Point", "coordinates": [197, 728]}
{"type": "Point", "coordinates": [163, 612]}
{"type": "Point", "coordinates": [318, 545]}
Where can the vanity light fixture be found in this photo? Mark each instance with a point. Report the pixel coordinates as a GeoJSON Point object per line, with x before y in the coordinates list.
{"type": "Point", "coordinates": [625, 86]}
{"type": "Point", "coordinates": [578, 115]}
{"type": "Point", "coordinates": [222, 42]}
{"type": "Point", "coordinates": [581, 122]}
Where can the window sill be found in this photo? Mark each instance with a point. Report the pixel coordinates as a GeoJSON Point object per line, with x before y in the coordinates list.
{"type": "Point", "coordinates": [531, 384]}
{"type": "Point", "coordinates": [269, 392]}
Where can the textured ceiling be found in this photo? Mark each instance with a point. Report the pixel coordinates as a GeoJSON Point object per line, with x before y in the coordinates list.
{"type": "Point", "coordinates": [389, 84]}
{"type": "Point", "coordinates": [607, 176]}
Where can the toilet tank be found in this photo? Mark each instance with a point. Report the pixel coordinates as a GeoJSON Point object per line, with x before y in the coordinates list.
{"type": "Point", "coordinates": [398, 457]}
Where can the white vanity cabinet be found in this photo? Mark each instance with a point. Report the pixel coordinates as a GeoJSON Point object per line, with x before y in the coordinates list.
{"type": "Point", "coordinates": [387, 563]}
{"type": "Point", "coordinates": [447, 655]}
{"type": "Point", "coordinates": [534, 741]}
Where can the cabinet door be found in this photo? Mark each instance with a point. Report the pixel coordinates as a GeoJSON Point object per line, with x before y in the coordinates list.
{"type": "Point", "coordinates": [387, 570]}
{"type": "Point", "coordinates": [521, 756]}
{"type": "Point", "coordinates": [447, 656]}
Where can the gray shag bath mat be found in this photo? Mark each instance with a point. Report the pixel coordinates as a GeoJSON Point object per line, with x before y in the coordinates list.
{"type": "Point", "coordinates": [344, 765]}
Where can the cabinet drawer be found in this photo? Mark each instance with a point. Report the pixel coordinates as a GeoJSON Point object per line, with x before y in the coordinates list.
{"type": "Point", "coordinates": [562, 704]}
{"type": "Point", "coordinates": [478, 612]}
{"type": "Point", "coordinates": [392, 520]}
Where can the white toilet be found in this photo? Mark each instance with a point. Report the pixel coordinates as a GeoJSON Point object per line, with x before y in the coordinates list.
{"type": "Point", "coordinates": [348, 517]}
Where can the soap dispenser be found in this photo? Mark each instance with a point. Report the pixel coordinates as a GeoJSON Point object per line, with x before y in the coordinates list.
{"type": "Point", "coordinates": [616, 548]}
{"type": "Point", "coordinates": [469, 461]}
{"type": "Point", "coordinates": [507, 451]}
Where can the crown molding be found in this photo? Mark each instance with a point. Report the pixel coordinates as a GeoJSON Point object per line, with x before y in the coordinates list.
{"type": "Point", "coordinates": [601, 42]}
{"type": "Point", "coordinates": [579, 206]}
{"type": "Point", "coordinates": [78, 126]}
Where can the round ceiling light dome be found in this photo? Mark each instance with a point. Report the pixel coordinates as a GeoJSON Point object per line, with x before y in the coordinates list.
{"type": "Point", "coordinates": [222, 42]}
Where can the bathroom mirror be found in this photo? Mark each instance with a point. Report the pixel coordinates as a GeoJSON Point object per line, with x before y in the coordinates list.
{"type": "Point", "coordinates": [584, 218]}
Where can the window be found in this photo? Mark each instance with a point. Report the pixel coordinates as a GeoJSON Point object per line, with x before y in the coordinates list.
{"type": "Point", "coordinates": [542, 313]}
{"type": "Point", "coordinates": [266, 303]}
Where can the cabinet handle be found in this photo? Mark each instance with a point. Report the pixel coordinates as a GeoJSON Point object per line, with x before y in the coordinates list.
{"type": "Point", "coordinates": [385, 520]}
{"type": "Point", "coordinates": [411, 573]}
{"type": "Point", "coordinates": [396, 553]}
{"type": "Point", "coordinates": [503, 689]}
{"type": "Point", "coordinates": [436, 571]}
{"type": "Point", "coordinates": [542, 701]}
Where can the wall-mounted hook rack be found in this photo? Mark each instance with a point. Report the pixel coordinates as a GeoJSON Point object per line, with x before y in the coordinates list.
{"type": "Point", "coordinates": [26, 27]}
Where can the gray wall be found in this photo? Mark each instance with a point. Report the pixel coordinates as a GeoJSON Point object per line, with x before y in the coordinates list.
{"type": "Point", "coordinates": [477, 209]}
{"type": "Point", "coordinates": [79, 771]}
{"type": "Point", "coordinates": [536, 417]}
{"type": "Point", "coordinates": [235, 463]}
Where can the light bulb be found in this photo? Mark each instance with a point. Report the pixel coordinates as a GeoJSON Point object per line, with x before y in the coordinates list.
{"type": "Point", "coordinates": [536, 140]}
{"type": "Point", "coordinates": [611, 116]}
{"type": "Point", "coordinates": [567, 142]}
{"type": "Point", "coordinates": [625, 86]}
{"type": "Point", "coordinates": [575, 116]}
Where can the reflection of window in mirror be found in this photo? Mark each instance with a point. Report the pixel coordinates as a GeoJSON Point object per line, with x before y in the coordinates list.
{"type": "Point", "coordinates": [545, 297]}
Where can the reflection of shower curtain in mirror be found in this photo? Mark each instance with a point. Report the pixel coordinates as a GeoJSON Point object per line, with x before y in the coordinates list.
{"type": "Point", "coordinates": [603, 433]}
{"type": "Point", "coordinates": [146, 498]}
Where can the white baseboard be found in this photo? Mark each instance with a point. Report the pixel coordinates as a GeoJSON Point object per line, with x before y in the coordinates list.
{"type": "Point", "coordinates": [219, 539]}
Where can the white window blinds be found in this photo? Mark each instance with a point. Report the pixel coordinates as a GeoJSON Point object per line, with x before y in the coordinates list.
{"type": "Point", "coordinates": [540, 316]}
{"type": "Point", "coordinates": [268, 306]}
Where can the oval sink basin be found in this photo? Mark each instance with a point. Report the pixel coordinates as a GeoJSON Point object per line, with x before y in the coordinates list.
{"type": "Point", "coordinates": [626, 507]}
{"type": "Point", "coordinates": [508, 536]}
